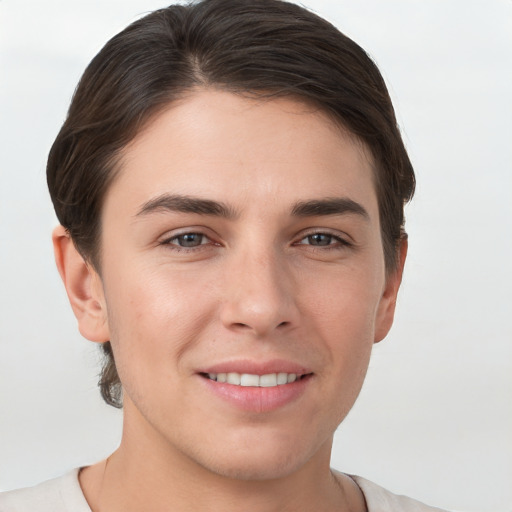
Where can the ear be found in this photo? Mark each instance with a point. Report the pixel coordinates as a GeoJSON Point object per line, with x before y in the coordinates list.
{"type": "Point", "coordinates": [83, 286]}
{"type": "Point", "coordinates": [386, 308]}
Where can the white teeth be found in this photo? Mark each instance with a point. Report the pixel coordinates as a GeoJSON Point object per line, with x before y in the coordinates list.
{"type": "Point", "coordinates": [268, 381]}
{"type": "Point", "coordinates": [250, 380]}
{"type": "Point", "coordinates": [247, 379]}
{"type": "Point", "coordinates": [233, 378]}
{"type": "Point", "coordinates": [282, 378]}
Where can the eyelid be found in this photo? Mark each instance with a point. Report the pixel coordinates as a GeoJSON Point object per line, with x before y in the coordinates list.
{"type": "Point", "coordinates": [203, 240]}
{"type": "Point", "coordinates": [171, 235]}
{"type": "Point", "coordinates": [341, 237]}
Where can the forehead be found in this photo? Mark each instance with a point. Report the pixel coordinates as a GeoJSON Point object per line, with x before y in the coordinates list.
{"type": "Point", "coordinates": [215, 143]}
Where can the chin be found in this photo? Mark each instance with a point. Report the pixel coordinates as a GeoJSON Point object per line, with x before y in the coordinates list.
{"type": "Point", "coordinates": [261, 459]}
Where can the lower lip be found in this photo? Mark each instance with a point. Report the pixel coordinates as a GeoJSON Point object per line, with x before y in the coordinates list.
{"type": "Point", "coordinates": [258, 399]}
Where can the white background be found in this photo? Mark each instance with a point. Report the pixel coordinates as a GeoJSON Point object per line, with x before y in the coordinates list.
{"type": "Point", "coordinates": [434, 419]}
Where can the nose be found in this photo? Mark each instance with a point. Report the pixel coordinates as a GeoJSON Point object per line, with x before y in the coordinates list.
{"type": "Point", "coordinates": [259, 294]}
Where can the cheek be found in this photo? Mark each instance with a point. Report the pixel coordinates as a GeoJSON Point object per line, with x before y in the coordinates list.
{"type": "Point", "coordinates": [344, 302]}
{"type": "Point", "coordinates": [342, 314]}
{"type": "Point", "coordinates": [154, 315]}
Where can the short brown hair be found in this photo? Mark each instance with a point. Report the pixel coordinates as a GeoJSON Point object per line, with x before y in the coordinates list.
{"type": "Point", "coordinates": [267, 48]}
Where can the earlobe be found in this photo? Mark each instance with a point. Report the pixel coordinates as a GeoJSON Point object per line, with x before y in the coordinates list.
{"type": "Point", "coordinates": [83, 286]}
{"type": "Point", "coordinates": [386, 310]}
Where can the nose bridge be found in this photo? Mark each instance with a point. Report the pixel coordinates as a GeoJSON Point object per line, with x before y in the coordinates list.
{"type": "Point", "coordinates": [259, 292]}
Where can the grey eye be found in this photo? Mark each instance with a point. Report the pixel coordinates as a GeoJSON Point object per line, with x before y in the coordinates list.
{"type": "Point", "coordinates": [319, 239]}
{"type": "Point", "coordinates": [189, 240]}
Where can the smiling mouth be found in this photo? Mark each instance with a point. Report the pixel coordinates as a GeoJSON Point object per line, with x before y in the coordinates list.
{"type": "Point", "coordinates": [268, 380]}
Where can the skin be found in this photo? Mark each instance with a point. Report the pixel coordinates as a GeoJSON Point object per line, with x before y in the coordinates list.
{"type": "Point", "coordinates": [262, 284]}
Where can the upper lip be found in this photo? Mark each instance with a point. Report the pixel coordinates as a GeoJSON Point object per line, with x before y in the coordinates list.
{"type": "Point", "coordinates": [257, 367]}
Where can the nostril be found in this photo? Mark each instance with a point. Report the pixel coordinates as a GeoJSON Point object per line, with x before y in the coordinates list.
{"type": "Point", "coordinates": [241, 325]}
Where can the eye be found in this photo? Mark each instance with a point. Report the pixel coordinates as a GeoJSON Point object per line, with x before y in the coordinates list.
{"type": "Point", "coordinates": [323, 240]}
{"type": "Point", "coordinates": [188, 240]}
{"type": "Point", "coordinates": [318, 239]}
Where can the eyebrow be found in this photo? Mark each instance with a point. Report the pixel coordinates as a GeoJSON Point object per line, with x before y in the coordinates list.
{"type": "Point", "coordinates": [329, 206]}
{"type": "Point", "coordinates": [190, 204]}
{"type": "Point", "coordinates": [187, 204]}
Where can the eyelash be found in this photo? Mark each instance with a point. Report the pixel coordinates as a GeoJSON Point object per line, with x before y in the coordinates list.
{"type": "Point", "coordinates": [340, 243]}
{"type": "Point", "coordinates": [178, 248]}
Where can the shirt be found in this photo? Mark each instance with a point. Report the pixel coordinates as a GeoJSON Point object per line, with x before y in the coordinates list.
{"type": "Point", "coordinates": [64, 494]}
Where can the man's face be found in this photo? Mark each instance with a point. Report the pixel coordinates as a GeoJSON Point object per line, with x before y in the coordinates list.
{"type": "Point", "coordinates": [240, 239]}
